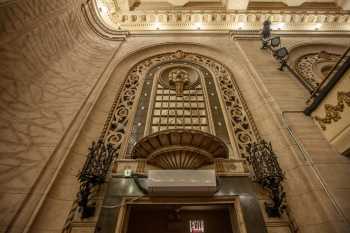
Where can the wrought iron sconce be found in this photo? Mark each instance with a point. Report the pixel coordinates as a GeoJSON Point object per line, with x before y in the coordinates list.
{"type": "Point", "coordinates": [274, 44]}
{"type": "Point", "coordinates": [279, 52]}
{"type": "Point", "coordinates": [266, 34]}
{"type": "Point", "coordinates": [268, 174]}
{"type": "Point", "coordinates": [93, 175]}
{"type": "Point", "coordinates": [266, 39]}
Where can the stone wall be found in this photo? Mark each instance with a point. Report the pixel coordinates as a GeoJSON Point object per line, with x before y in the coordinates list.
{"type": "Point", "coordinates": [50, 62]}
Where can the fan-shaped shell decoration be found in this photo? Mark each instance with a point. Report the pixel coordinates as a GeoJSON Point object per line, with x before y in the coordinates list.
{"type": "Point", "coordinates": [180, 149]}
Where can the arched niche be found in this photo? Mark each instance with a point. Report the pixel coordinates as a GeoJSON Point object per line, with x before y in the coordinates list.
{"type": "Point", "coordinates": [241, 125]}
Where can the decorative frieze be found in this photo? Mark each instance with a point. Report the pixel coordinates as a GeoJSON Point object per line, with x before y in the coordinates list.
{"type": "Point", "coordinates": [289, 20]}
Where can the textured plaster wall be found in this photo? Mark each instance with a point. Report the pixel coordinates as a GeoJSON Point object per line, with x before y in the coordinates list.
{"type": "Point", "coordinates": [50, 62]}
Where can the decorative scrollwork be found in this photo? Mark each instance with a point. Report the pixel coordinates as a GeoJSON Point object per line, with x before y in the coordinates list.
{"type": "Point", "coordinates": [244, 128]}
{"type": "Point", "coordinates": [117, 121]}
{"type": "Point", "coordinates": [333, 111]}
{"type": "Point", "coordinates": [269, 175]}
{"type": "Point", "coordinates": [305, 66]}
{"type": "Point", "coordinates": [243, 125]}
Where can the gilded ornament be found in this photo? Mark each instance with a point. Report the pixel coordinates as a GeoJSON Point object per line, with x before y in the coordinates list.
{"type": "Point", "coordinates": [333, 112]}
{"type": "Point", "coordinates": [179, 54]}
{"type": "Point", "coordinates": [179, 78]}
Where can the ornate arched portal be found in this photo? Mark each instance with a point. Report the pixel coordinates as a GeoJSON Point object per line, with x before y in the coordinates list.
{"type": "Point", "coordinates": [138, 87]}
{"type": "Point", "coordinates": [175, 110]}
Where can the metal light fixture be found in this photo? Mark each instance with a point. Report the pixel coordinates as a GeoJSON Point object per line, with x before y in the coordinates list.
{"type": "Point", "coordinates": [269, 174]}
{"type": "Point", "coordinates": [266, 34]}
{"type": "Point", "coordinates": [93, 174]}
{"type": "Point", "coordinates": [275, 41]}
{"type": "Point", "coordinates": [280, 53]}
{"type": "Point", "coordinates": [266, 39]}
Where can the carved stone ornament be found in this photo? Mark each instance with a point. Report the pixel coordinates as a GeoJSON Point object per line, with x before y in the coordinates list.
{"type": "Point", "coordinates": [114, 131]}
{"type": "Point", "coordinates": [179, 78]}
{"type": "Point", "coordinates": [244, 129]}
{"type": "Point", "coordinates": [180, 149]}
{"type": "Point", "coordinates": [333, 111]}
{"type": "Point", "coordinates": [179, 54]}
{"type": "Point", "coordinates": [306, 65]}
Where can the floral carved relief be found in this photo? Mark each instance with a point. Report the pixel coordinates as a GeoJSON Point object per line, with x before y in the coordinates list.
{"type": "Point", "coordinates": [307, 64]}
{"type": "Point", "coordinates": [118, 119]}
{"type": "Point", "coordinates": [244, 128]}
{"type": "Point", "coordinates": [333, 112]}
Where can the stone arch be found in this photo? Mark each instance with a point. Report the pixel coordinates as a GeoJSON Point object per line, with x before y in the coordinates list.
{"type": "Point", "coordinates": [243, 126]}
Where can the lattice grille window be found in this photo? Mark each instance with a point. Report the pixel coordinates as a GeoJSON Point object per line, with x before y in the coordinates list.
{"type": "Point", "coordinates": [172, 111]}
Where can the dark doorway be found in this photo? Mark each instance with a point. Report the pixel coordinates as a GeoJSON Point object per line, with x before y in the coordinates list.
{"type": "Point", "coordinates": [171, 218]}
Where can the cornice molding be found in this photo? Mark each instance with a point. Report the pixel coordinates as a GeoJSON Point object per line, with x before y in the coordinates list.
{"type": "Point", "coordinates": [255, 34]}
{"type": "Point", "coordinates": [248, 20]}
{"type": "Point", "coordinates": [248, 23]}
{"type": "Point", "coordinates": [97, 25]}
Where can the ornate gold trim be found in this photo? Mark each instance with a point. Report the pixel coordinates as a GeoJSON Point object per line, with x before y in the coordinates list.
{"type": "Point", "coordinates": [333, 112]}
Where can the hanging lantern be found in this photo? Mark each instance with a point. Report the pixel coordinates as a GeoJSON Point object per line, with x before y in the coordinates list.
{"type": "Point", "coordinates": [93, 174]}
{"type": "Point", "coordinates": [269, 174]}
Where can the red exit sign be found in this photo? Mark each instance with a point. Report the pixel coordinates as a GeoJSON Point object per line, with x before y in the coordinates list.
{"type": "Point", "coordinates": [196, 226]}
